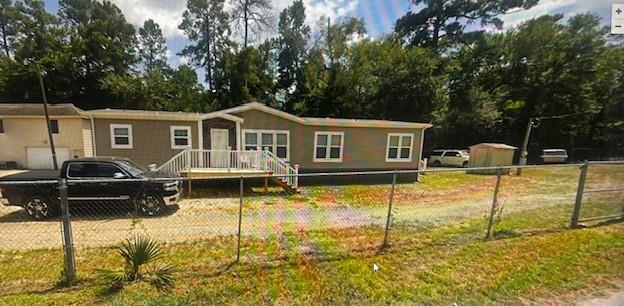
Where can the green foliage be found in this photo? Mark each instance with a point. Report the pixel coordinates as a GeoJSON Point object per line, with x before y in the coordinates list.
{"type": "Point", "coordinates": [293, 35]}
{"type": "Point", "coordinates": [447, 19]}
{"type": "Point", "coordinates": [152, 46]}
{"type": "Point", "coordinates": [9, 26]}
{"type": "Point", "coordinates": [206, 25]}
{"type": "Point", "coordinates": [101, 42]}
{"type": "Point", "coordinates": [140, 255]}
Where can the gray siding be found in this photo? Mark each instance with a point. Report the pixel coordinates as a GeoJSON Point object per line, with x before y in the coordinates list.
{"type": "Point", "coordinates": [151, 139]}
{"type": "Point", "coordinates": [364, 148]}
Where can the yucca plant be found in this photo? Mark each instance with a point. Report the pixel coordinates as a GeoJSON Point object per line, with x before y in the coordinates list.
{"type": "Point", "coordinates": [140, 254]}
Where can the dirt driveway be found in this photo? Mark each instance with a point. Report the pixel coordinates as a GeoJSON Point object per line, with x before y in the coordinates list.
{"type": "Point", "coordinates": [192, 219]}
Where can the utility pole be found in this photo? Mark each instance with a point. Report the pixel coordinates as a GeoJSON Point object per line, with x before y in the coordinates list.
{"type": "Point", "coordinates": [533, 123]}
{"type": "Point", "coordinates": [47, 117]}
{"type": "Point", "coordinates": [525, 144]}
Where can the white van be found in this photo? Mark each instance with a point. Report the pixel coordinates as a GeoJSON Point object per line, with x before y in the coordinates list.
{"type": "Point", "coordinates": [554, 156]}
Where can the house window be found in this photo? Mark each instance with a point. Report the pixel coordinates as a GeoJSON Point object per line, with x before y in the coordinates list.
{"type": "Point", "coordinates": [1, 126]}
{"type": "Point", "coordinates": [180, 137]}
{"type": "Point", "coordinates": [121, 136]}
{"type": "Point", "coordinates": [399, 147]}
{"type": "Point", "coordinates": [328, 146]}
{"type": "Point", "coordinates": [275, 140]}
{"type": "Point", "coordinates": [54, 128]}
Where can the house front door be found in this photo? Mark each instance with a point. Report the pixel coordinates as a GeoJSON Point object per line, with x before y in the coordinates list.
{"type": "Point", "coordinates": [219, 147]}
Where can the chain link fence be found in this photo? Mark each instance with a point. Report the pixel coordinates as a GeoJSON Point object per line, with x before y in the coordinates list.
{"type": "Point", "coordinates": [245, 219]}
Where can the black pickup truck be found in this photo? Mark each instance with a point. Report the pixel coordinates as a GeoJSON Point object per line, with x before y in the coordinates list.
{"type": "Point", "coordinates": [92, 181]}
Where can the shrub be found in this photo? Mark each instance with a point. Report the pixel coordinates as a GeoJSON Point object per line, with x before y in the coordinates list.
{"type": "Point", "coordinates": [140, 255]}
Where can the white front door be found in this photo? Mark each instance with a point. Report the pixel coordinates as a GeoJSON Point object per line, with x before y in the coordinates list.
{"type": "Point", "coordinates": [41, 157]}
{"type": "Point", "coordinates": [218, 147]}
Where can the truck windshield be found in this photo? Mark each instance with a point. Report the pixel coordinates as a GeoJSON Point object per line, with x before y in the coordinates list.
{"type": "Point", "coordinates": [132, 168]}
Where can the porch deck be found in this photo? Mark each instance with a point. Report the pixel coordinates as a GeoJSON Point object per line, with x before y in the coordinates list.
{"type": "Point", "coordinates": [212, 163]}
{"type": "Point", "coordinates": [215, 172]}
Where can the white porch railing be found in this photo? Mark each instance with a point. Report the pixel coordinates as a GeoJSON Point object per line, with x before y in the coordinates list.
{"type": "Point", "coordinates": [231, 161]}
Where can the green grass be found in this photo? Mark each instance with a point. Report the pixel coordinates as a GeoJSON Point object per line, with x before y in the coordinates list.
{"type": "Point", "coordinates": [442, 265]}
{"type": "Point", "coordinates": [437, 253]}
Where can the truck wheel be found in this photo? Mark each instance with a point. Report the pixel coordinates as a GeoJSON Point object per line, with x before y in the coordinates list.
{"type": "Point", "coordinates": [151, 205]}
{"type": "Point", "coordinates": [40, 208]}
{"type": "Point", "coordinates": [465, 164]}
{"type": "Point", "coordinates": [437, 163]}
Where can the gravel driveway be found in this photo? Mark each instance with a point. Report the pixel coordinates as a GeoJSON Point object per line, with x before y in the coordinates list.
{"type": "Point", "coordinates": [190, 220]}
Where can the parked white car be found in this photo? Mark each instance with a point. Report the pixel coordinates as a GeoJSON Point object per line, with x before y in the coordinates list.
{"type": "Point", "coordinates": [452, 158]}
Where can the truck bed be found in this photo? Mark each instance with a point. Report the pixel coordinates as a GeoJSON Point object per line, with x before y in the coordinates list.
{"type": "Point", "coordinates": [32, 175]}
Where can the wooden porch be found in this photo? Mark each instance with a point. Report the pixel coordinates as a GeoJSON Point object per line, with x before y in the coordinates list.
{"type": "Point", "coordinates": [193, 163]}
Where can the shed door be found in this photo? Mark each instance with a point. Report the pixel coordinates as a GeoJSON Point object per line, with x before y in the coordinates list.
{"type": "Point", "coordinates": [41, 158]}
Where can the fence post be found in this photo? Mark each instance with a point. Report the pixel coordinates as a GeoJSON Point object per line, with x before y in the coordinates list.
{"type": "Point", "coordinates": [68, 242]}
{"type": "Point", "coordinates": [579, 195]}
{"type": "Point", "coordinates": [240, 218]}
{"type": "Point", "coordinates": [390, 199]}
{"type": "Point", "coordinates": [494, 203]}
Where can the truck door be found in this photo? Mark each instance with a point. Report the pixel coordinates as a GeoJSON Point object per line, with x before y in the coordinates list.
{"type": "Point", "coordinates": [115, 185]}
{"type": "Point", "coordinates": [97, 190]}
{"type": "Point", "coordinates": [81, 178]}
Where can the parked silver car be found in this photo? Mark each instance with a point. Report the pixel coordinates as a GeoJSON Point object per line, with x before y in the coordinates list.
{"type": "Point", "coordinates": [452, 158]}
{"type": "Point", "coordinates": [554, 156]}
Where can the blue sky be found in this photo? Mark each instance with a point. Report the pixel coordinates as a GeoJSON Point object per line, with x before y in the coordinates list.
{"type": "Point", "coordinates": [379, 15]}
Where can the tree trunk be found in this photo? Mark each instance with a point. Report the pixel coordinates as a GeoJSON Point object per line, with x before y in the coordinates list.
{"type": "Point", "coordinates": [209, 61]}
{"type": "Point", "coordinates": [5, 42]}
{"type": "Point", "coordinates": [436, 33]}
{"type": "Point", "coordinates": [245, 8]}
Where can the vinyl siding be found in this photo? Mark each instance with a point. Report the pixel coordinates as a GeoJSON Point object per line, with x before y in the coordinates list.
{"type": "Point", "coordinates": [151, 139]}
{"type": "Point", "coordinates": [21, 133]}
{"type": "Point", "coordinates": [364, 148]}
{"type": "Point", "coordinates": [87, 138]}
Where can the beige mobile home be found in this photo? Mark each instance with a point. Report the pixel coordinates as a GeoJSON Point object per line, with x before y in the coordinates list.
{"type": "Point", "coordinates": [245, 139]}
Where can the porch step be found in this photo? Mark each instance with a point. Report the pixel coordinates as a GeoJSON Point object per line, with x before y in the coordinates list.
{"type": "Point", "coordinates": [282, 183]}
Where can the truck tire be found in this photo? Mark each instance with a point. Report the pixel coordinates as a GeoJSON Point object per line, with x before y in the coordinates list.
{"type": "Point", "coordinates": [465, 164]}
{"type": "Point", "coordinates": [150, 205]}
{"type": "Point", "coordinates": [40, 208]}
{"type": "Point", "coordinates": [437, 163]}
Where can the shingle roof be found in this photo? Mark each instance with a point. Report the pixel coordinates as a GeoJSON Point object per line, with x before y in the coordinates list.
{"type": "Point", "coordinates": [339, 122]}
{"type": "Point", "coordinates": [494, 146]}
{"type": "Point", "coordinates": [142, 114]}
{"type": "Point", "coordinates": [36, 109]}
{"type": "Point", "coordinates": [362, 122]}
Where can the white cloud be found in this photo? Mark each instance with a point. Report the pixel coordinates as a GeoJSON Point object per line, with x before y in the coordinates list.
{"type": "Point", "coordinates": [329, 8]}
{"type": "Point", "coordinates": [167, 13]}
{"type": "Point", "coordinates": [567, 7]}
{"type": "Point", "coordinates": [183, 60]}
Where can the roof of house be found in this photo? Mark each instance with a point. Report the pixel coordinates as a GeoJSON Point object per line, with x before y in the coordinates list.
{"type": "Point", "coordinates": [143, 114]}
{"type": "Point", "coordinates": [36, 109]}
{"type": "Point", "coordinates": [325, 121]}
{"type": "Point", "coordinates": [68, 109]}
{"type": "Point", "coordinates": [493, 146]}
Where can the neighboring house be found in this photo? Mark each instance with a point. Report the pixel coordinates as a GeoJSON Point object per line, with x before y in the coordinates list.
{"type": "Point", "coordinates": [313, 144]}
{"type": "Point", "coordinates": [24, 135]}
